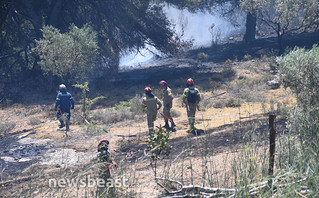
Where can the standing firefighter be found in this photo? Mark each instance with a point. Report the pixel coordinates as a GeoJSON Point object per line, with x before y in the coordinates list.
{"type": "Point", "coordinates": [152, 104]}
{"type": "Point", "coordinates": [168, 104]}
{"type": "Point", "coordinates": [191, 98]}
{"type": "Point", "coordinates": [65, 102]}
{"type": "Point", "coordinates": [104, 166]}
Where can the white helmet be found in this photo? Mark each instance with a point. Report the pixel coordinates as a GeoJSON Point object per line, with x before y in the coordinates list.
{"type": "Point", "coordinates": [62, 87]}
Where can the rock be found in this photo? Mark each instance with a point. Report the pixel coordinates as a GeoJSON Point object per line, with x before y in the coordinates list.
{"type": "Point", "coordinates": [8, 159]}
{"type": "Point", "coordinates": [24, 159]}
{"type": "Point", "coordinates": [273, 84]}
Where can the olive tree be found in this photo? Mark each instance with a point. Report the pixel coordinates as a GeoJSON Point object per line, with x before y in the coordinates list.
{"type": "Point", "coordinates": [299, 70]}
{"type": "Point", "coordinates": [70, 56]}
{"type": "Point", "coordinates": [284, 16]}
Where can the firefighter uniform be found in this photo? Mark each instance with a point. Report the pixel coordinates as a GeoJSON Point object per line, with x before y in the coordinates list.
{"type": "Point", "coordinates": [65, 102]}
{"type": "Point", "coordinates": [191, 104]}
{"type": "Point", "coordinates": [168, 104]}
{"type": "Point", "coordinates": [104, 166]}
{"type": "Point", "coordinates": [152, 104]}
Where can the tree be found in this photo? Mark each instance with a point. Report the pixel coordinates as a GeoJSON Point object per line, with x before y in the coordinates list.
{"type": "Point", "coordinates": [120, 25]}
{"type": "Point", "coordinates": [70, 56]}
{"type": "Point", "coordinates": [229, 7]}
{"type": "Point", "coordinates": [284, 16]}
{"type": "Point", "coordinates": [299, 70]}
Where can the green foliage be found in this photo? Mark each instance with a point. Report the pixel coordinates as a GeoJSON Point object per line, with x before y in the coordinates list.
{"type": "Point", "coordinates": [284, 16]}
{"type": "Point", "coordinates": [122, 105]}
{"type": "Point", "coordinates": [158, 141]}
{"type": "Point", "coordinates": [135, 105]}
{"type": "Point", "coordinates": [120, 25]}
{"type": "Point", "coordinates": [299, 70]}
{"type": "Point", "coordinates": [70, 56]}
{"type": "Point", "coordinates": [6, 127]}
{"type": "Point", "coordinates": [86, 102]}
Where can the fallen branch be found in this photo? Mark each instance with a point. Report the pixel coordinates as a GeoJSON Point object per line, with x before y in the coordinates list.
{"type": "Point", "coordinates": [207, 191]}
{"type": "Point", "coordinates": [124, 136]}
{"type": "Point", "coordinates": [21, 179]}
{"type": "Point", "coordinates": [254, 189]}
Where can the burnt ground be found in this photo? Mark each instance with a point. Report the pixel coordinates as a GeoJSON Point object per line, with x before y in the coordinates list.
{"type": "Point", "coordinates": [177, 69]}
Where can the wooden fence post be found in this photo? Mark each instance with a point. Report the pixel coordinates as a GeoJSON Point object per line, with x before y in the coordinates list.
{"type": "Point", "coordinates": [272, 145]}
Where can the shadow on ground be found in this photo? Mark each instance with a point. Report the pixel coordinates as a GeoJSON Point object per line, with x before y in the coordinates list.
{"type": "Point", "coordinates": [226, 138]}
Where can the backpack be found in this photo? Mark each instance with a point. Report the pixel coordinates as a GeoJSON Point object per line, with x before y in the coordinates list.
{"type": "Point", "coordinates": [192, 96]}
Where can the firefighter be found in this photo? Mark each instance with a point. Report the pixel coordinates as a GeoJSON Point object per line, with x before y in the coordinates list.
{"type": "Point", "coordinates": [191, 98]}
{"type": "Point", "coordinates": [64, 102]}
{"type": "Point", "coordinates": [167, 104]}
{"type": "Point", "coordinates": [152, 105]}
{"type": "Point", "coordinates": [105, 164]}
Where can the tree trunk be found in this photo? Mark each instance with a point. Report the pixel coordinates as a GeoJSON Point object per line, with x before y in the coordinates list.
{"type": "Point", "coordinates": [280, 44]}
{"type": "Point", "coordinates": [250, 27]}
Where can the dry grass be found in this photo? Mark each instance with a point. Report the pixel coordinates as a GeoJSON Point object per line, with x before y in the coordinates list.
{"type": "Point", "coordinates": [202, 160]}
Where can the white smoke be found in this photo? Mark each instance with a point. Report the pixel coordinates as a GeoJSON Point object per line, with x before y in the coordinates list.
{"type": "Point", "coordinates": [189, 26]}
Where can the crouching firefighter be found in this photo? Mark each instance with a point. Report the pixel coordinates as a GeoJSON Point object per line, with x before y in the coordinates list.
{"type": "Point", "coordinates": [64, 102]}
{"type": "Point", "coordinates": [152, 104]}
{"type": "Point", "coordinates": [105, 164]}
{"type": "Point", "coordinates": [191, 98]}
{"type": "Point", "coordinates": [167, 105]}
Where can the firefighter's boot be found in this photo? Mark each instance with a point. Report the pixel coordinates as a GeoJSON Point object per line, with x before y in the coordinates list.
{"type": "Point", "coordinates": [173, 125]}
{"type": "Point", "coordinates": [62, 124]}
{"type": "Point", "coordinates": [166, 126]}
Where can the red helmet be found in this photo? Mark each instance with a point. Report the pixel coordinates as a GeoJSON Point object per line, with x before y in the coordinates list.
{"type": "Point", "coordinates": [163, 83]}
{"type": "Point", "coordinates": [105, 140]}
{"type": "Point", "coordinates": [147, 89]}
{"type": "Point", "coordinates": [190, 81]}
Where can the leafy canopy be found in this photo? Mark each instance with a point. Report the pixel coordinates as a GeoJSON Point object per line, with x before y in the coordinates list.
{"type": "Point", "coordinates": [300, 72]}
{"type": "Point", "coordinates": [70, 56]}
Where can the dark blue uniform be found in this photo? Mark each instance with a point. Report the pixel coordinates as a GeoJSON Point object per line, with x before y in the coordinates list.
{"type": "Point", "coordinates": [65, 102]}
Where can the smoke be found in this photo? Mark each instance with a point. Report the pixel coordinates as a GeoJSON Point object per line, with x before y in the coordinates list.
{"type": "Point", "coordinates": [189, 26]}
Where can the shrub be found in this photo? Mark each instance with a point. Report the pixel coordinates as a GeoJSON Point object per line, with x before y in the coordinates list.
{"type": "Point", "coordinates": [136, 105]}
{"type": "Point", "coordinates": [34, 121]}
{"type": "Point", "coordinates": [219, 104]}
{"type": "Point", "coordinates": [299, 70]}
{"type": "Point", "coordinates": [122, 105]}
{"type": "Point", "coordinates": [206, 102]}
{"type": "Point", "coordinates": [112, 116]}
{"type": "Point", "coordinates": [247, 57]}
{"type": "Point", "coordinates": [202, 56]}
{"type": "Point", "coordinates": [86, 102]}
{"type": "Point", "coordinates": [233, 102]}
{"type": "Point", "coordinates": [70, 56]}
{"type": "Point", "coordinates": [7, 126]}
